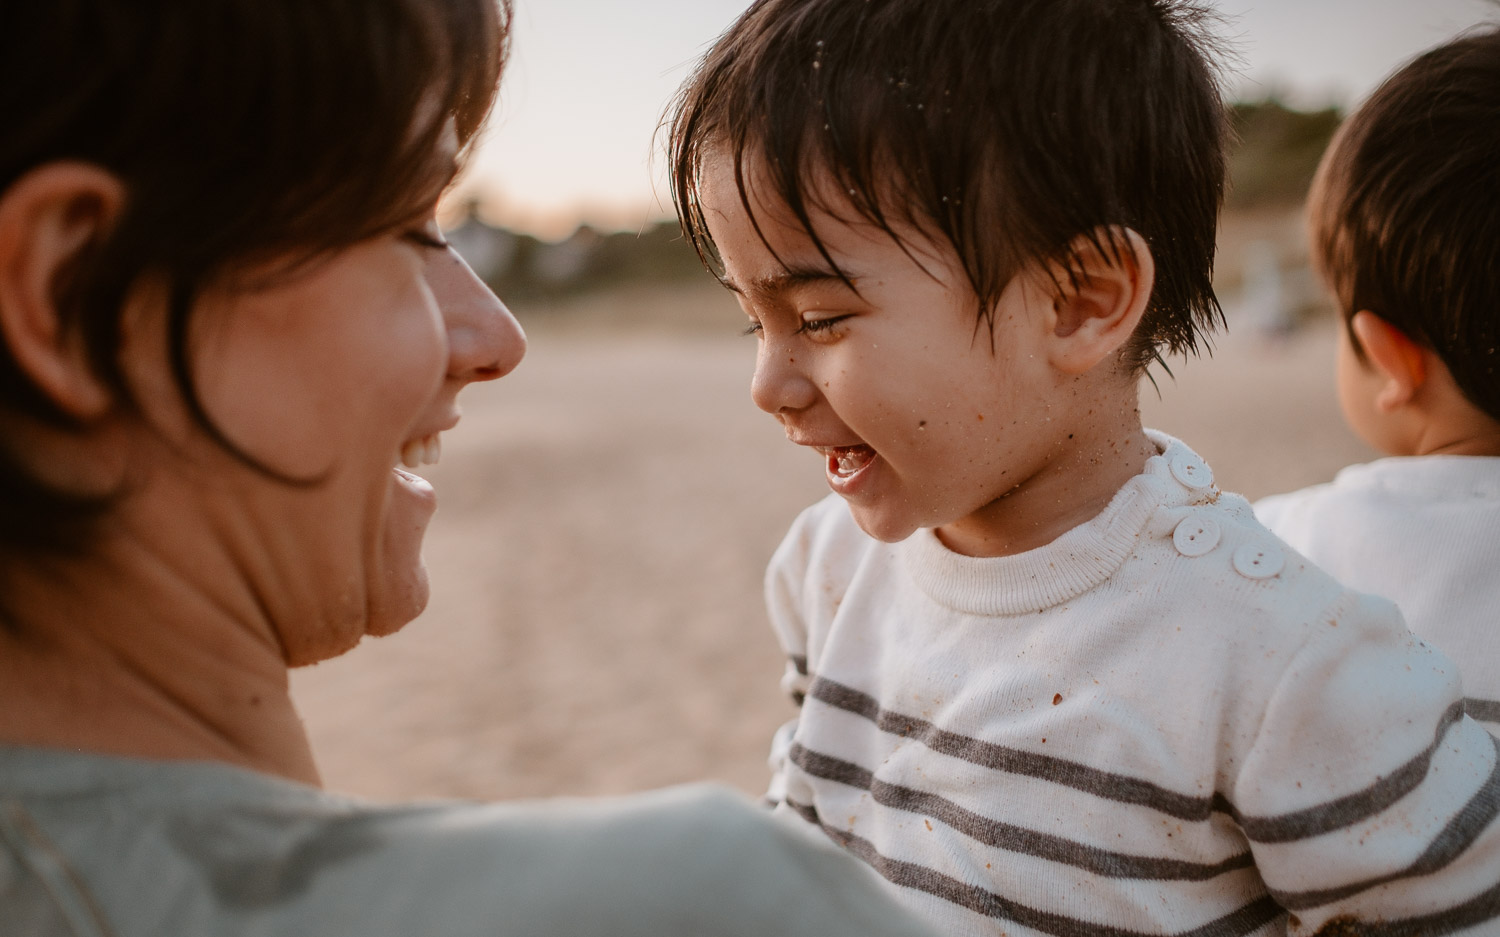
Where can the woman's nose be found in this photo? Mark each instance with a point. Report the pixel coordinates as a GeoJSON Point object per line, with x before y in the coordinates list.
{"type": "Point", "coordinates": [484, 340]}
{"type": "Point", "coordinates": [780, 385]}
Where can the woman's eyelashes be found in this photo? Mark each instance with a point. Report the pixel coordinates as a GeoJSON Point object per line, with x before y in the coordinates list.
{"type": "Point", "coordinates": [427, 237]}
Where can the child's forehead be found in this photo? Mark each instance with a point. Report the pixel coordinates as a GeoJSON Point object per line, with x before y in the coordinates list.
{"type": "Point", "coordinates": [833, 216]}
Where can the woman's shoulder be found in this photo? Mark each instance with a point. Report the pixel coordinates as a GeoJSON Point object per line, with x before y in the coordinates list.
{"type": "Point", "coordinates": [211, 849]}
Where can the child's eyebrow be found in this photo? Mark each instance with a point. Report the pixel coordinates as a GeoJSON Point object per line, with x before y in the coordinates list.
{"type": "Point", "coordinates": [788, 279]}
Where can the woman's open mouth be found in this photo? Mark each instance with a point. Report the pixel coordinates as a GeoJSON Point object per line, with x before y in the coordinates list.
{"type": "Point", "coordinates": [416, 453]}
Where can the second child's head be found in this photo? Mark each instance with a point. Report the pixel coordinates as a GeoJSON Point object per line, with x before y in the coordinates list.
{"type": "Point", "coordinates": [1405, 230]}
{"type": "Point", "coordinates": [962, 230]}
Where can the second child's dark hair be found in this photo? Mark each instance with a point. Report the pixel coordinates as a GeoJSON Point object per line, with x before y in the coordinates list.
{"type": "Point", "coordinates": [1405, 210]}
{"type": "Point", "coordinates": [242, 131]}
{"type": "Point", "coordinates": [1010, 127]}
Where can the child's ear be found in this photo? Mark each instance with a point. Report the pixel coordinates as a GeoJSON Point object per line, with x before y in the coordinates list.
{"type": "Point", "coordinates": [1399, 361]}
{"type": "Point", "coordinates": [48, 219]}
{"type": "Point", "coordinates": [1102, 298]}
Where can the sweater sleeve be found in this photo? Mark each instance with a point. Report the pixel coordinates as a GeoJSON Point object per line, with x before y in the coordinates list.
{"type": "Point", "coordinates": [1368, 796]}
{"type": "Point", "coordinates": [784, 587]}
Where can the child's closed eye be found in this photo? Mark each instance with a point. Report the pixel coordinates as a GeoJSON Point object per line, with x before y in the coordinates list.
{"type": "Point", "coordinates": [814, 326]}
{"type": "Point", "coordinates": [808, 326]}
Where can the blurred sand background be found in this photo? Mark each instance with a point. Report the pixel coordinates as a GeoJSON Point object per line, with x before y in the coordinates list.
{"type": "Point", "coordinates": [606, 512]}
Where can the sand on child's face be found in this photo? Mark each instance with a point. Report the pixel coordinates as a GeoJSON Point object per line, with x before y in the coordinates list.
{"type": "Point", "coordinates": [919, 418]}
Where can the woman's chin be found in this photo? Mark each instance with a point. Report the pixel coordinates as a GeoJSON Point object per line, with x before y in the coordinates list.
{"type": "Point", "coordinates": [382, 590]}
{"type": "Point", "coordinates": [401, 591]}
{"type": "Point", "coordinates": [399, 604]}
{"type": "Point", "coordinates": [391, 604]}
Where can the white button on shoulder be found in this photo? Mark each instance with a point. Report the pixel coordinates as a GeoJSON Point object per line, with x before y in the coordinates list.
{"type": "Point", "coordinates": [1258, 560]}
{"type": "Point", "coordinates": [1192, 471]}
{"type": "Point", "coordinates": [1196, 535]}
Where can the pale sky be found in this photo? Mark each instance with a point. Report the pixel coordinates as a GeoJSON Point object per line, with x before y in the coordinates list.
{"type": "Point", "coordinates": [573, 137]}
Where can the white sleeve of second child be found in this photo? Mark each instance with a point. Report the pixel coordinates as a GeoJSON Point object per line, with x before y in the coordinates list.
{"type": "Point", "coordinates": [1290, 515]}
{"type": "Point", "coordinates": [1368, 795]}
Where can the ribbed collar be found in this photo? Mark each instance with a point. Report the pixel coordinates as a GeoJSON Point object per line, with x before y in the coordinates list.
{"type": "Point", "coordinates": [1067, 567]}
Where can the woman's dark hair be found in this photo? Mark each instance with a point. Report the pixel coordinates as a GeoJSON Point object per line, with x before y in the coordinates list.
{"type": "Point", "coordinates": [1403, 212]}
{"type": "Point", "coordinates": [1010, 127]}
{"type": "Point", "coordinates": [240, 129]}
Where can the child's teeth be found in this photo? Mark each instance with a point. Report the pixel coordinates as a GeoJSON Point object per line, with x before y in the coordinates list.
{"type": "Point", "coordinates": [850, 461]}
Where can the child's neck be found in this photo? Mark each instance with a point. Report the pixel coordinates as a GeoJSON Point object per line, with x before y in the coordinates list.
{"type": "Point", "coordinates": [1483, 444]}
{"type": "Point", "coordinates": [1450, 425]}
{"type": "Point", "coordinates": [1439, 420]}
{"type": "Point", "coordinates": [1092, 457]}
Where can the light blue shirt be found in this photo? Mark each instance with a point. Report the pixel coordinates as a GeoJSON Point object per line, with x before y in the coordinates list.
{"type": "Point", "coordinates": [95, 846]}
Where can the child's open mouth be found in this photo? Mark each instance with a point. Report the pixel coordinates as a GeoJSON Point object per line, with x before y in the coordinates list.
{"type": "Point", "coordinates": [847, 461]}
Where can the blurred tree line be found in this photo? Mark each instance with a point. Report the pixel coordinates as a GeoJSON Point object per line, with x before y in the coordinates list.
{"type": "Point", "coordinates": [1273, 154]}
{"type": "Point", "coordinates": [520, 266]}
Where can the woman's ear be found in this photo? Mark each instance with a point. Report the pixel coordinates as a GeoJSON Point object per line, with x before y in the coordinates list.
{"type": "Point", "coordinates": [1398, 361]}
{"type": "Point", "coordinates": [48, 219]}
{"type": "Point", "coordinates": [1102, 298]}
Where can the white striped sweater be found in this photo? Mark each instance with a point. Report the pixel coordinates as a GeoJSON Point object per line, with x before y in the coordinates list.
{"type": "Point", "coordinates": [1163, 723]}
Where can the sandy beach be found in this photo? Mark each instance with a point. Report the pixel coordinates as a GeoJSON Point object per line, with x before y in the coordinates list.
{"type": "Point", "coordinates": [606, 512]}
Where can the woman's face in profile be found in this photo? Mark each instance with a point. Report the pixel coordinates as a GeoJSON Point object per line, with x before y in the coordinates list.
{"type": "Point", "coordinates": [336, 376]}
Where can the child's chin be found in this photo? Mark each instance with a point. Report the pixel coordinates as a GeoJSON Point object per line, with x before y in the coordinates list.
{"type": "Point", "coordinates": [884, 529]}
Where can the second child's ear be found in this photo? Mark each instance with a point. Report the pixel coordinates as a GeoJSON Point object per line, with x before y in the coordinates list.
{"type": "Point", "coordinates": [49, 218]}
{"type": "Point", "coordinates": [1101, 298]}
{"type": "Point", "coordinates": [1400, 362]}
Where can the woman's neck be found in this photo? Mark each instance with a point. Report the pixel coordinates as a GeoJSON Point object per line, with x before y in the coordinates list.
{"type": "Point", "coordinates": [121, 653]}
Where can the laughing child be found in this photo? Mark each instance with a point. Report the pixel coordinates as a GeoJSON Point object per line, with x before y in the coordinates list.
{"type": "Point", "coordinates": [1405, 229]}
{"type": "Point", "coordinates": [1052, 680]}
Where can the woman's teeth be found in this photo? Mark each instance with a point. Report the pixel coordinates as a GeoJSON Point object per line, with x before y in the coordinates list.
{"type": "Point", "coordinates": [419, 452]}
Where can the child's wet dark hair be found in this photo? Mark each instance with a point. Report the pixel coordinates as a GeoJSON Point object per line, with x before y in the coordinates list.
{"type": "Point", "coordinates": [1404, 214]}
{"type": "Point", "coordinates": [1010, 128]}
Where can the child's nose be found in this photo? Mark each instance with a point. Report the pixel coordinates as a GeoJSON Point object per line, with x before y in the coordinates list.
{"type": "Point", "coordinates": [780, 385]}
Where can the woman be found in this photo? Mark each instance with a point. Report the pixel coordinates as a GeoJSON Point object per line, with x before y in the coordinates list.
{"type": "Point", "coordinates": [226, 314]}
